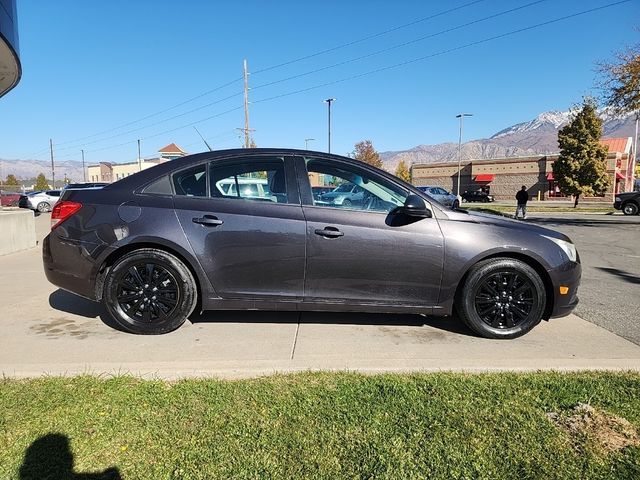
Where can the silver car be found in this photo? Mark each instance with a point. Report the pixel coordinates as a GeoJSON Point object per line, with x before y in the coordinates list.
{"type": "Point", "coordinates": [441, 195]}
{"type": "Point", "coordinates": [41, 201]}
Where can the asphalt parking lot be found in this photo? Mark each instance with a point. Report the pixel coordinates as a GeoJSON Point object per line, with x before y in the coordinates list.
{"type": "Point", "coordinates": [609, 248]}
{"type": "Point", "coordinates": [49, 331]}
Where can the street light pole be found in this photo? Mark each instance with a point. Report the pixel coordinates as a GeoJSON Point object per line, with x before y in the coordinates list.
{"type": "Point", "coordinates": [84, 171]}
{"type": "Point", "coordinates": [328, 102]}
{"type": "Point", "coordinates": [461, 117]}
{"type": "Point", "coordinates": [306, 142]}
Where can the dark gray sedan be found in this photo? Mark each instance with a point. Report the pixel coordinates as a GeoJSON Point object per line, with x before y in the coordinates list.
{"type": "Point", "coordinates": [155, 246]}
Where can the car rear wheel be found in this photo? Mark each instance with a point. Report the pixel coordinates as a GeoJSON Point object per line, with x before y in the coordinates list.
{"type": "Point", "coordinates": [43, 207]}
{"type": "Point", "coordinates": [630, 208]}
{"type": "Point", "coordinates": [501, 298]}
{"type": "Point", "coordinates": [149, 291]}
{"type": "Point", "coordinates": [456, 204]}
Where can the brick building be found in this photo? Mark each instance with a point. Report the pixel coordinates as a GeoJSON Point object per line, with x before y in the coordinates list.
{"type": "Point", "coordinates": [503, 177]}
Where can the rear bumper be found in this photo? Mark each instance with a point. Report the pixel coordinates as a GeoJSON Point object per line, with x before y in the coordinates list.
{"type": "Point", "coordinates": [567, 275]}
{"type": "Point", "coordinates": [69, 266]}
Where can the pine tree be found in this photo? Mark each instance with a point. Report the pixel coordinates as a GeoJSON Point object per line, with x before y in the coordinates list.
{"type": "Point", "coordinates": [581, 168]}
{"type": "Point", "coordinates": [402, 172]}
{"type": "Point", "coordinates": [41, 183]}
{"type": "Point", "coordinates": [11, 180]}
{"type": "Point", "coordinates": [365, 152]}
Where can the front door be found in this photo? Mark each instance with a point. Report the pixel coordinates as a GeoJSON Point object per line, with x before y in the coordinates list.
{"type": "Point", "coordinates": [361, 253]}
{"type": "Point", "coordinates": [243, 219]}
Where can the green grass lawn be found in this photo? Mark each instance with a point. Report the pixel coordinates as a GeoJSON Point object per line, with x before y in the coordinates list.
{"type": "Point", "coordinates": [324, 425]}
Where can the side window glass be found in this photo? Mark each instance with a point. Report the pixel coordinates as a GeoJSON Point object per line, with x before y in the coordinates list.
{"type": "Point", "coordinates": [191, 182]}
{"type": "Point", "coordinates": [258, 179]}
{"type": "Point", "coordinates": [353, 188]}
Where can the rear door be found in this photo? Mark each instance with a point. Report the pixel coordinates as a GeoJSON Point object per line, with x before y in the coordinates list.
{"type": "Point", "coordinates": [249, 235]}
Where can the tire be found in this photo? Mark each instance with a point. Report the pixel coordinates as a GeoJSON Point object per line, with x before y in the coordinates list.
{"type": "Point", "coordinates": [43, 207]}
{"type": "Point", "coordinates": [630, 208]}
{"type": "Point", "coordinates": [509, 316]}
{"type": "Point", "coordinates": [456, 205]}
{"type": "Point", "coordinates": [346, 203]}
{"type": "Point", "coordinates": [149, 291]}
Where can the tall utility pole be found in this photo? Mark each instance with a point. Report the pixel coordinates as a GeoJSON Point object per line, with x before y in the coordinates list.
{"type": "Point", "coordinates": [53, 170]}
{"type": "Point", "coordinates": [306, 142]}
{"type": "Point", "coordinates": [328, 102]}
{"type": "Point", "coordinates": [461, 117]}
{"type": "Point", "coordinates": [139, 158]}
{"type": "Point", "coordinates": [247, 140]}
{"type": "Point", "coordinates": [84, 171]}
{"type": "Point", "coordinates": [635, 155]}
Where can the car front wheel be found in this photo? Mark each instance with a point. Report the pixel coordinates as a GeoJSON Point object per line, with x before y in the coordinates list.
{"type": "Point", "coordinates": [149, 291]}
{"type": "Point", "coordinates": [456, 204]}
{"type": "Point", "coordinates": [501, 298]}
{"type": "Point", "coordinates": [630, 208]}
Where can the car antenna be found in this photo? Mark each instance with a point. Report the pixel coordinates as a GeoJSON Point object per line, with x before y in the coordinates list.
{"type": "Point", "coordinates": [205, 142]}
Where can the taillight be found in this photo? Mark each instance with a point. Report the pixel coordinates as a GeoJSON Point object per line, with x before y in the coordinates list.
{"type": "Point", "coordinates": [62, 211]}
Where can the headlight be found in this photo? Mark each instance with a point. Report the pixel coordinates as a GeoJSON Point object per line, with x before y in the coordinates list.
{"type": "Point", "coordinates": [567, 247]}
{"type": "Point", "coordinates": [618, 199]}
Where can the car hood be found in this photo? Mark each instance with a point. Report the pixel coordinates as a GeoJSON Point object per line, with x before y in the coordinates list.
{"type": "Point", "coordinates": [626, 195]}
{"type": "Point", "coordinates": [503, 222]}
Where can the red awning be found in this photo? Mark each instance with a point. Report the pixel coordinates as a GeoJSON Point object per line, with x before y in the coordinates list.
{"type": "Point", "coordinates": [619, 176]}
{"type": "Point", "coordinates": [550, 176]}
{"type": "Point", "coordinates": [485, 177]}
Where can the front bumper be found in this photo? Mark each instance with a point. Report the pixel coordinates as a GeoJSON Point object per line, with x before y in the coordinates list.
{"type": "Point", "coordinates": [617, 205]}
{"type": "Point", "coordinates": [567, 275]}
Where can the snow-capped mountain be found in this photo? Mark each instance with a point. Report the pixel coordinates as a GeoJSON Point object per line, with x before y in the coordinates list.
{"type": "Point", "coordinates": [535, 137]}
{"type": "Point", "coordinates": [546, 121]}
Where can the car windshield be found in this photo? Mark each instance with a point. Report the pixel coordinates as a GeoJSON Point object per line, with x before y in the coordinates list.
{"type": "Point", "coordinates": [345, 187]}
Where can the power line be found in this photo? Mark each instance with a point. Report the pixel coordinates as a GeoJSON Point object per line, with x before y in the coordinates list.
{"type": "Point", "coordinates": [369, 37]}
{"type": "Point", "coordinates": [389, 67]}
{"type": "Point", "coordinates": [322, 68]}
{"type": "Point", "coordinates": [444, 52]}
{"type": "Point", "coordinates": [400, 45]}
{"type": "Point", "coordinates": [220, 87]}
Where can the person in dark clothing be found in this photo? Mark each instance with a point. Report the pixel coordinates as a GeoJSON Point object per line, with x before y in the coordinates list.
{"type": "Point", "coordinates": [522, 197]}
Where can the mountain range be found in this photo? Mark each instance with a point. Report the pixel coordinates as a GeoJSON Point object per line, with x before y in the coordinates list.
{"type": "Point", "coordinates": [535, 137]}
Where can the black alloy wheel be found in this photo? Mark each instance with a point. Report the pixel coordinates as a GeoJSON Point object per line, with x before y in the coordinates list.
{"type": "Point", "coordinates": [504, 299]}
{"type": "Point", "coordinates": [501, 298]}
{"type": "Point", "coordinates": [149, 291]}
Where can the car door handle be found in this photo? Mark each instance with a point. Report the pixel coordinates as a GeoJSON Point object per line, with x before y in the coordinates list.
{"type": "Point", "coordinates": [209, 220]}
{"type": "Point", "coordinates": [329, 232]}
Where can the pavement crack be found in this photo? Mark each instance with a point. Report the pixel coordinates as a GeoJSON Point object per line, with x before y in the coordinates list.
{"type": "Point", "coordinates": [295, 338]}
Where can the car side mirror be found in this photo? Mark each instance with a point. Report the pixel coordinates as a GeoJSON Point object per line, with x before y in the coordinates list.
{"type": "Point", "coordinates": [415, 206]}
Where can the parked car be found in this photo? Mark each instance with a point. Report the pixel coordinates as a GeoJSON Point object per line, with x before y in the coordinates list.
{"type": "Point", "coordinates": [440, 194]}
{"type": "Point", "coordinates": [344, 195]}
{"type": "Point", "coordinates": [319, 191]}
{"type": "Point", "coordinates": [41, 201]}
{"type": "Point", "coordinates": [9, 199]}
{"type": "Point", "coordinates": [155, 244]}
{"type": "Point", "coordinates": [477, 196]}
{"type": "Point", "coordinates": [629, 203]}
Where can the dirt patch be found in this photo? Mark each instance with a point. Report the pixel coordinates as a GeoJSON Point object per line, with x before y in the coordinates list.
{"type": "Point", "coordinates": [607, 432]}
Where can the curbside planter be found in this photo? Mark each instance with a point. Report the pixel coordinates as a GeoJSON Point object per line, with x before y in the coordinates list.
{"type": "Point", "coordinates": [17, 231]}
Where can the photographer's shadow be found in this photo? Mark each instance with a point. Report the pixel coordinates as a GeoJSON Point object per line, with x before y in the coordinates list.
{"type": "Point", "coordinates": [49, 457]}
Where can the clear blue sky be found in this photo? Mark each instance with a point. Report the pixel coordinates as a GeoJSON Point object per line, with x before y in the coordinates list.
{"type": "Point", "coordinates": [91, 67]}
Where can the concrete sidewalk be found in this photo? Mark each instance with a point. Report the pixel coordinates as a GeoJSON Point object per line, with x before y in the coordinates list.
{"type": "Point", "coordinates": [48, 331]}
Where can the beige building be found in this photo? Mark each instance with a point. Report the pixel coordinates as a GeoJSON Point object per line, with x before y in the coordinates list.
{"type": "Point", "coordinates": [112, 172]}
{"type": "Point", "coordinates": [503, 177]}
